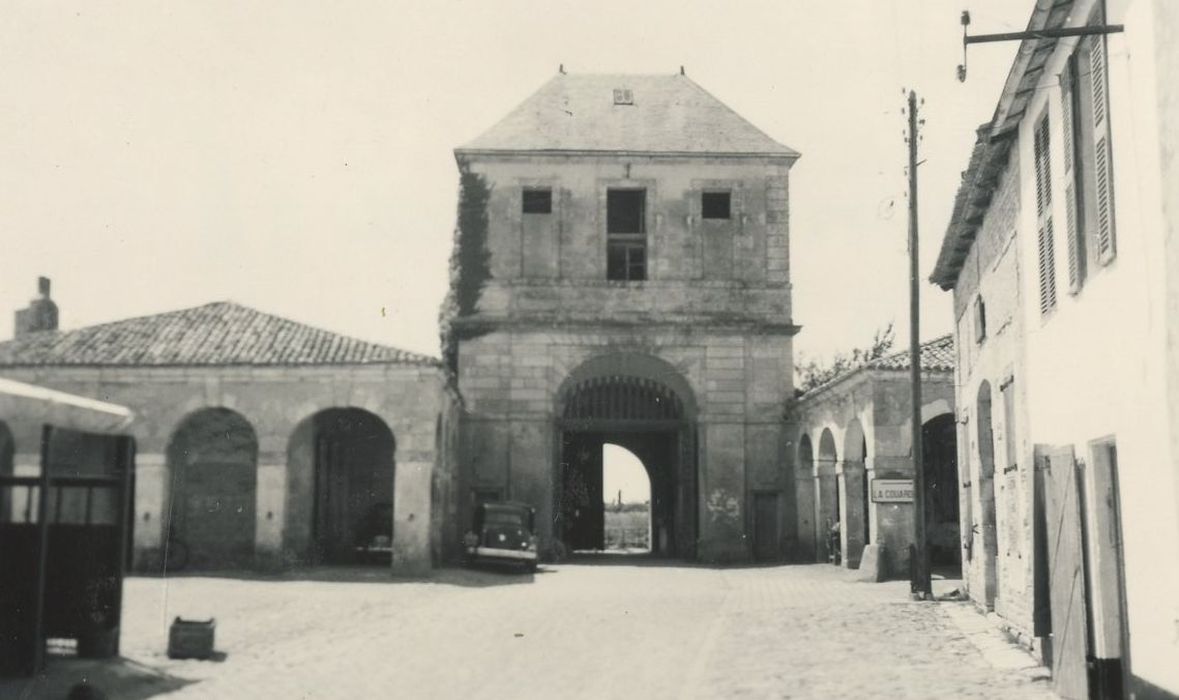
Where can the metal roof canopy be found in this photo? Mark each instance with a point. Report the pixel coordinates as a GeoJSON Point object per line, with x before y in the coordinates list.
{"type": "Point", "coordinates": [61, 410]}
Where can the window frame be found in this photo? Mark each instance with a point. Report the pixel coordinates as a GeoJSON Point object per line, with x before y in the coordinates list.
{"type": "Point", "coordinates": [631, 245]}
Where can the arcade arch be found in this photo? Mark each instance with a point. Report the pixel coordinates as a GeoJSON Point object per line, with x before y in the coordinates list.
{"type": "Point", "coordinates": [340, 492]}
{"type": "Point", "coordinates": [212, 458]}
{"type": "Point", "coordinates": [827, 498]}
{"type": "Point", "coordinates": [644, 405]}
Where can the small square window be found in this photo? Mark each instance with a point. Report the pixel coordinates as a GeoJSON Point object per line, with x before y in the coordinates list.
{"type": "Point", "coordinates": [623, 96]}
{"type": "Point", "coordinates": [538, 201]}
{"type": "Point", "coordinates": [716, 205]}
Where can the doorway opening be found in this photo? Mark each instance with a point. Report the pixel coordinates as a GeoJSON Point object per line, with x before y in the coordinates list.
{"type": "Point", "coordinates": [986, 529]}
{"type": "Point", "coordinates": [940, 451]}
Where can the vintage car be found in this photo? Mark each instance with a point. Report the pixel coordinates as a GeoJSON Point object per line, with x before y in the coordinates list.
{"type": "Point", "coordinates": [502, 532]}
{"type": "Point", "coordinates": [374, 534]}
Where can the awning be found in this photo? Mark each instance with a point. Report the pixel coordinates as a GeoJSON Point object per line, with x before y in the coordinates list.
{"type": "Point", "coordinates": [34, 403]}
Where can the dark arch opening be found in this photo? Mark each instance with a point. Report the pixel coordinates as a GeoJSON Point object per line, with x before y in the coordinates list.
{"type": "Point", "coordinates": [827, 500]}
{"type": "Point", "coordinates": [342, 469]}
{"type": "Point", "coordinates": [213, 461]}
{"type": "Point", "coordinates": [641, 404]}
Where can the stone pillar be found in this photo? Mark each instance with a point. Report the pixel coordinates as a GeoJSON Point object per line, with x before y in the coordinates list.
{"type": "Point", "coordinates": [270, 509]}
{"type": "Point", "coordinates": [411, 498]}
{"type": "Point", "coordinates": [894, 521]}
{"type": "Point", "coordinates": [150, 508]}
{"type": "Point", "coordinates": [851, 512]}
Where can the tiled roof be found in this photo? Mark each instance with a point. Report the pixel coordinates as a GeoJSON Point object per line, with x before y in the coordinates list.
{"type": "Point", "coordinates": [937, 355]}
{"type": "Point", "coordinates": [221, 333]}
{"type": "Point", "coordinates": [670, 114]}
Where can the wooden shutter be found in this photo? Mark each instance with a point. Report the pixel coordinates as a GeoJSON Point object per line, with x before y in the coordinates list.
{"type": "Point", "coordinates": [1102, 161]}
{"type": "Point", "coordinates": [1047, 255]}
{"type": "Point", "coordinates": [1073, 191]}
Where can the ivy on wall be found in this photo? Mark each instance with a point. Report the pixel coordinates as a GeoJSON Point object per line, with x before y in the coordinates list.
{"type": "Point", "coordinates": [469, 261]}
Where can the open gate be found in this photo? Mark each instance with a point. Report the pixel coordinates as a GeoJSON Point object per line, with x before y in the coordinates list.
{"type": "Point", "coordinates": [1057, 481]}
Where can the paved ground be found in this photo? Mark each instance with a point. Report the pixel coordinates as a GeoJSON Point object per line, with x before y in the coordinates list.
{"type": "Point", "coordinates": [600, 630]}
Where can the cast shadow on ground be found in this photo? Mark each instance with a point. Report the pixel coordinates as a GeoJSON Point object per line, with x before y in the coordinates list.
{"type": "Point", "coordinates": [115, 678]}
{"type": "Point", "coordinates": [482, 576]}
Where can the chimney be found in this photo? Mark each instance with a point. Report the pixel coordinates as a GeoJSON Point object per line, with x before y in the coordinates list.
{"type": "Point", "coordinates": [41, 313]}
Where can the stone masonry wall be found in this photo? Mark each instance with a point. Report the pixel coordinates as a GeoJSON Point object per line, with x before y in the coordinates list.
{"type": "Point", "coordinates": [510, 382]}
{"type": "Point", "coordinates": [274, 400]}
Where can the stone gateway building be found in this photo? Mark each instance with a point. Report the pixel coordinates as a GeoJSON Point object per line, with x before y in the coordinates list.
{"type": "Point", "coordinates": [633, 288]}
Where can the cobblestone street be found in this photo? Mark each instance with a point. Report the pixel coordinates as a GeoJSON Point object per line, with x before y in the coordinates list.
{"type": "Point", "coordinates": [599, 630]}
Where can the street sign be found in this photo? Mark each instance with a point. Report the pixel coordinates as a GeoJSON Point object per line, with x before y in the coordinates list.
{"type": "Point", "coordinates": [892, 490]}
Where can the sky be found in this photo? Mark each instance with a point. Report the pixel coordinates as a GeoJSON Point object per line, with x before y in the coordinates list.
{"type": "Point", "coordinates": [297, 156]}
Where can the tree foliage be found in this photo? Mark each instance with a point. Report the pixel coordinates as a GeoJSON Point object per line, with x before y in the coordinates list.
{"type": "Point", "coordinates": [469, 261]}
{"type": "Point", "coordinates": [812, 374]}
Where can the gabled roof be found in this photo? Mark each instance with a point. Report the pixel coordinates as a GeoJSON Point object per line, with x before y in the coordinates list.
{"type": "Point", "coordinates": [221, 333]}
{"type": "Point", "coordinates": [671, 115]}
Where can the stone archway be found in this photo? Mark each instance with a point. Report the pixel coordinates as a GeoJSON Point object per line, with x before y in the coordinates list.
{"type": "Point", "coordinates": [985, 531]}
{"type": "Point", "coordinates": [341, 466]}
{"type": "Point", "coordinates": [643, 404]}
{"type": "Point", "coordinates": [826, 496]}
{"type": "Point", "coordinates": [853, 491]}
{"type": "Point", "coordinates": [213, 462]}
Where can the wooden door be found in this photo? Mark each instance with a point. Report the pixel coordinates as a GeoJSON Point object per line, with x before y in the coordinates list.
{"type": "Point", "coordinates": [765, 526]}
{"type": "Point", "coordinates": [1066, 574]}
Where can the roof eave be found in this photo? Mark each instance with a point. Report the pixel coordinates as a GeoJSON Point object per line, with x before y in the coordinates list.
{"type": "Point", "coordinates": [462, 152]}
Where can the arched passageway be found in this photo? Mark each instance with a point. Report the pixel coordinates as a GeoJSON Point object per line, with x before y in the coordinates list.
{"type": "Point", "coordinates": [827, 499]}
{"type": "Point", "coordinates": [642, 404]}
{"type": "Point", "coordinates": [940, 450]}
{"type": "Point", "coordinates": [212, 458]}
{"type": "Point", "coordinates": [341, 464]}
{"type": "Point", "coordinates": [804, 487]}
{"type": "Point", "coordinates": [853, 491]}
{"type": "Point", "coordinates": [986, 532]}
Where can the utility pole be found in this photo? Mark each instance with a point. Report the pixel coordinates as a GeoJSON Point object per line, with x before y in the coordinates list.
{"type": "Point", "coordinates": [921, 585]}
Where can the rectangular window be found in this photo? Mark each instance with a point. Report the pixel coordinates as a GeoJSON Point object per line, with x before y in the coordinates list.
{"type": "Point", "coordinates": [538, 200]}
{"type": "Point", "coordinates": [626, 234]}
{"type": "Point", "coordinates": [980, 319]}
{"type": "Point", "coordinates": [716, 205]}
{"type": "Point", "coordinates": [1044, 238]}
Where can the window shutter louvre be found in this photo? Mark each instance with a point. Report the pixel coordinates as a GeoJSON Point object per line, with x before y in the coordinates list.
{"type": "Point", "coordinates": [1047, 257]}
{"type": "Point", "coordinates": [1066, 115]}
{"type": "Point", "coordinates": [1102, 165]}
{"type": "Point", "coordinates": [1074, 247]}
{"type": "Point", "coordinates": [1047, 268]}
